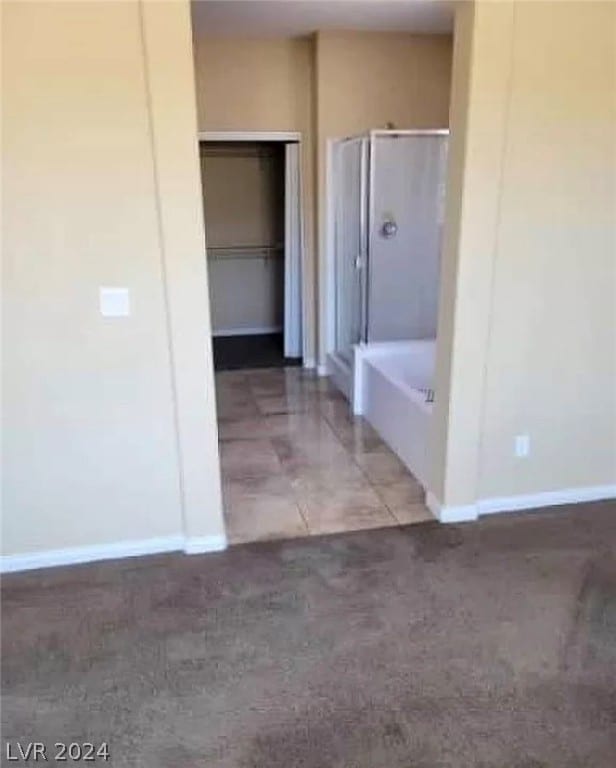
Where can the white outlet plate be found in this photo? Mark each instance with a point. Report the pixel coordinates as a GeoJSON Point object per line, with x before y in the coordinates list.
{"type": "Point", "coordinates": [522, 446]}
{"type": "Point", "coordinates": [114, 302]}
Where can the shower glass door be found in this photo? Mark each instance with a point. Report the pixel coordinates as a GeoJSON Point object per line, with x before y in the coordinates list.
{"type": "Point", "coordinates": [407, 195]}
{"type": "Point", "coordinates": [350, 244]}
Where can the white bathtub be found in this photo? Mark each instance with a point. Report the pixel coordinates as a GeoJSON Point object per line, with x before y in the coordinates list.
{"type": "Point", "coordinates": [392, 389]}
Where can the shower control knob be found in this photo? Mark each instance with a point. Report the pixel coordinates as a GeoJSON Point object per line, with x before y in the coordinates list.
{"type": "Point", "coordinates": [389, 229]}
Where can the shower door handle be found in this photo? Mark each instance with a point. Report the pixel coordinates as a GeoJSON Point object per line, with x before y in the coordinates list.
{"type": "Point", "coordinates": [389, 229]}
{"type": "Point", "coordinates": [359, 262]}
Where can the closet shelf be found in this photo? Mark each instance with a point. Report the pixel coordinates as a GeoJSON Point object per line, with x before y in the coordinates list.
{"type": "Point", "coordinates": [245, 251]}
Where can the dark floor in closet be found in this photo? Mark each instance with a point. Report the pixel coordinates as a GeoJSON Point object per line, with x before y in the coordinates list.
{"type": "Point", "coordinates": [264, 351]}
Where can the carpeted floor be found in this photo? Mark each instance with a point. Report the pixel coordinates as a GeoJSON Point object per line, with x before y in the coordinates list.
{"type": "Point", "coordinates": [490, 645]}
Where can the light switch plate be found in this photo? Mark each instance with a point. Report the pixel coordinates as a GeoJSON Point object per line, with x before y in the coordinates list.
{"type": "Point", "coordinates": [522, 446]}
{"type": "Point", "coordinates": [114, 302]}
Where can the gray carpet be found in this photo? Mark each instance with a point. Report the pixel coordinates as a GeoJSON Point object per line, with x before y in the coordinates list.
{"type": "Point", "coordinates": [491, 644]}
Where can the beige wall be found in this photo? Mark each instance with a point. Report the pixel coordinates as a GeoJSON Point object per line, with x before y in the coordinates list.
{"type": "Point", "coordinates": [244, 207]}
{"type": "Point", "coordinates": [253, 84]}
{"type": "Point", "coordinates": [529, 346]}
{"type": "Point", "coordinates": [109, 432]}
{"type": "Point", "coordinates": [365, 80]}
{"type": "Point", "coordinates": [243, 190]}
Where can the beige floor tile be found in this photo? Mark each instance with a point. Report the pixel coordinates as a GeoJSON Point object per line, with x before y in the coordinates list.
{"type": "Point", "coordinates": [260, 427]}
{"type": "Point", "coordinates": [360, 438]}
{"type": "Point", "coordinates": [233, 392]}
{"type": "Point", "coordinates": [228, 409]}
{"type": "Point", "coordinates": [336, 411]}
{"type": "Point", "coordinates": [238, 489]}
{"type": "Point", "coordinates": [261, 508]}
{"type": "Point", "coordinates": [337, 498]}
{"type": "Point", "coordinates": [241, 429]}
{"type": "Point", "coordinates": [412, 513]}
{"type": "Point", "coordinates": [354, 432]}
{"type": "Point", "coordinates": [232, 381]}
{"type": "Point", "coordinates": [293, 382]}
{"type": "Point", "coordinates": [382, 467]}
{"type": "Point", "coordinates": [400, 493]}
{"type": "Point", "coordinates": [327, 478]}
{"type": "Point", "coordinates": [269, 383]}
{"type": "Point", "coordinates": [248, 459]}
{"type": "Point", "coordinates": [295, 461]}
{"type": "Point", "coordinates": [322, 386]}
{"type": "Point", "coordinates": [287, 403]}
{"type": "Point", "coordinates": [234, 400]}
{"type": "Point", "coordinates": [322, 518]}
{"type": "Point", "coordinates": [301, 451]}
{"type": "Point", "coordinates": [255, 519]}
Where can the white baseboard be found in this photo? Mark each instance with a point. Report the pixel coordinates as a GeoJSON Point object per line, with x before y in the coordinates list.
{"type": "Point", "coordinates": [309, 363]}
{"type": "Point", "coordinates": [546, 499]}
{"type": "Point", "coordinates": [120, 549]}
{"type": "Point", "coordinates": [322, 370]}
{"type": "Point", "coordinates": [357, 380]}
{"type": "Point", "coordinates": [198, 545]}
{"type": "Point", "coordinates": [256, 331]}
{"type": "Point", "coordinates": [453, 514]}
{"type": "Point", "coordinates": [497, 505]}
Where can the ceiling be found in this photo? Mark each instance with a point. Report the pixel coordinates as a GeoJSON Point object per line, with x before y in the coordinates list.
{"type": "Point", "coordinates": [290, 18]}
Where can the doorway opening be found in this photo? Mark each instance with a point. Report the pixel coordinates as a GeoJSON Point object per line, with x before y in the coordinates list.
{"type": "Point", "coordinates": [295, 460]}
{"type": "Point", "coordinates": [251, 200]}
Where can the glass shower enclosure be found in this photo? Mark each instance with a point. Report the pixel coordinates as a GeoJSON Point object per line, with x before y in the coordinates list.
{"type": "Point", "coordinates": [388, 207]}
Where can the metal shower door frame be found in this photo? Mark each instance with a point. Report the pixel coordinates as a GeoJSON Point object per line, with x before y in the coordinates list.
{"type": "Point", "coordinates": [361, 258]}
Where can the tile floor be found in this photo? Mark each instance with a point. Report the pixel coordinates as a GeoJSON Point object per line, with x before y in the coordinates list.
{"type": "Point", "coordinates": [295, 462]}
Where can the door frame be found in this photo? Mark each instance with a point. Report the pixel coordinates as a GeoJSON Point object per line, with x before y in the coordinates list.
{"type": "Point", "coordinates": [295, 299]}
{"type": "Point", "coordinates": [334, 150]}
{"type": "Point", "coordinates": [328, 284]}
{"type": "Point", "coordinates": [293, 239]}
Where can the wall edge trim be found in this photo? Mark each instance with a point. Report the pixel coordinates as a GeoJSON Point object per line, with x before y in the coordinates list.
{"type": "Point", "coordinates": [284, 136]}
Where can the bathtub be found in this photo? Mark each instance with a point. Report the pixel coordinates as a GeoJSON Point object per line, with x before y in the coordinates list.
{"type": "Point", "coordinates": [393, 389]}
